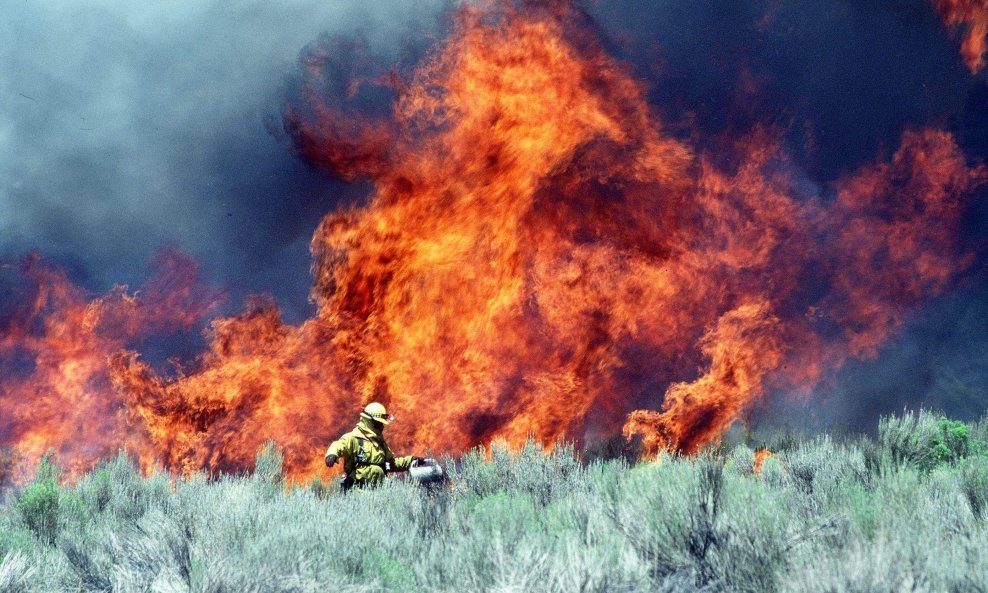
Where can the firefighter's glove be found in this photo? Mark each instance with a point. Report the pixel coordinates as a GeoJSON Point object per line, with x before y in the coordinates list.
{"type": "Point", "coordinates": [331, 460]}
{"type": "Point", "coordinates": [418, 460]}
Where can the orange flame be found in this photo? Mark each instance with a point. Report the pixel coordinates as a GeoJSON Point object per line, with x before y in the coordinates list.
{"type": "Point", "coordinates": [538, 257]}
{"type": "Point", "coordinates": [972, 14]}
{"type": "Point", "coordinates": [760, 456]}
{"type": "Point", "coordinates": [55, 390]}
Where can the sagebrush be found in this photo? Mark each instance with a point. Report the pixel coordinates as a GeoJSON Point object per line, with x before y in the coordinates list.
{"type": "Point", "coordinates": [907, 511]}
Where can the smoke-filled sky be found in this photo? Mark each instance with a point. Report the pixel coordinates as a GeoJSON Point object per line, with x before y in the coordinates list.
{"type": "Point", "coordinates": [126, 128]}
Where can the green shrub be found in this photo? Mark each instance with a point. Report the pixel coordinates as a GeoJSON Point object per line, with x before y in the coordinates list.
{"type": "Point", "coordinates": [974, 481]}
{"type": "Point", "coordinates": [15, 538]}
{"type": "Point", "coordinates": [38, 503]}
{"type": "Point", "coordinates": [89, 561]}
{"type": "Point", "coordinates": [927, 440]}
{"type": "Point", "coordinates": [950, 443]}
{"type": "Point", "coordinates": [478, 475]}
{"type": "Point", "coordinates": [860, 511]}
{"type": "Point", "coordinates": [391, 573]}
{"type": "Point", "coordinates": [543, 473]}
{"type": "Point", "coordinates": [703, 536]}
{"type": "Point", "coordinates": [820, 516]}
{"type": "Point", "coordinates": [319, 487]}
{"type": "Point", "coordinates": [906, 438]}
{"type": "Point", "coordinates": [506, 516]}
{"type": "Point", "coordinates": [15, 573]}
{"type": "Point", "coordinates": [652, 507]}
{"type": "Point", "coordinates": [742, 460]}
{"type": "Point", "coordinates": [269, 463]}
{"type": "Point", "coordinates": [116, 487]}
{"type": "Point", "coordinates": [8, 460]}
{"type": "Point", "coordinates": [268, 470]}
{"type": "Point", "coordinates": [96, 489]}
{"type": "Point", "coordinates": [823, 462]}
{"type": "Point", "coordinates": [752, 544]}
{"type": "Point", "coordinates": [773, 473]}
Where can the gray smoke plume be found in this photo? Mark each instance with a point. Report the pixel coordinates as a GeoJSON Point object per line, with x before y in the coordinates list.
{"type": "Point", "coordinates": [126, 127]}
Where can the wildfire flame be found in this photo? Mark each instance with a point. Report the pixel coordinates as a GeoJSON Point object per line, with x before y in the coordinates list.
{"type": "Point", "coordinates": [972, 14]}
{"type": "Point", "coordinates": [538, 257]}
{"type": "Point", "coordinates": [760, 456]}
{"type": "Point", "coordinates": [55, 343]}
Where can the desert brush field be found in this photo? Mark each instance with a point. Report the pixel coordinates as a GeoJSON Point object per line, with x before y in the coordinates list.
{"type": "Point", "coordinates": [905, 511]}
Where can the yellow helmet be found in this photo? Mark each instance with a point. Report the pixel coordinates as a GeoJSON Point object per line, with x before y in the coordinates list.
{"type": "Point", "coordinates": [376, 412]}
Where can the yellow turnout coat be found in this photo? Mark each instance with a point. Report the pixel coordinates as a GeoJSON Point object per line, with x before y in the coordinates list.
{"type": "Point", "coordinates": [365, 455]}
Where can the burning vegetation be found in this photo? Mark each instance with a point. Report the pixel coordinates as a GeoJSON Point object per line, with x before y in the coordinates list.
{"type": "Point", "coordinates": [972, 16]}
{"type": "Point", "coordinates": [539, 256]}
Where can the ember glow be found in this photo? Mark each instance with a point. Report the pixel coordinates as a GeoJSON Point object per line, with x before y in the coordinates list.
{"type": "Point", "coordinates": [539, 257]}
{"type": "Point", "coordinates": [972, 17]}
{"type": "Point", "coordinates": [760, 456]}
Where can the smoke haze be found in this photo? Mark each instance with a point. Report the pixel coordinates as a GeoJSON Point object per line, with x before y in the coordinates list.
{"type": "Point", "coordinates": [127, 127]}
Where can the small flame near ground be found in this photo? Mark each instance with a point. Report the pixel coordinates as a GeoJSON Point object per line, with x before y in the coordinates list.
{"type": "Point", "coordinates": [538, 257]}
{"type": "Point", "coordinates": [760, 456]}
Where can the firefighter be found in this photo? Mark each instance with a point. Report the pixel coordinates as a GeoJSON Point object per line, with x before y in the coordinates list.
{"type": "Point", "coordinates": [366, 457]}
